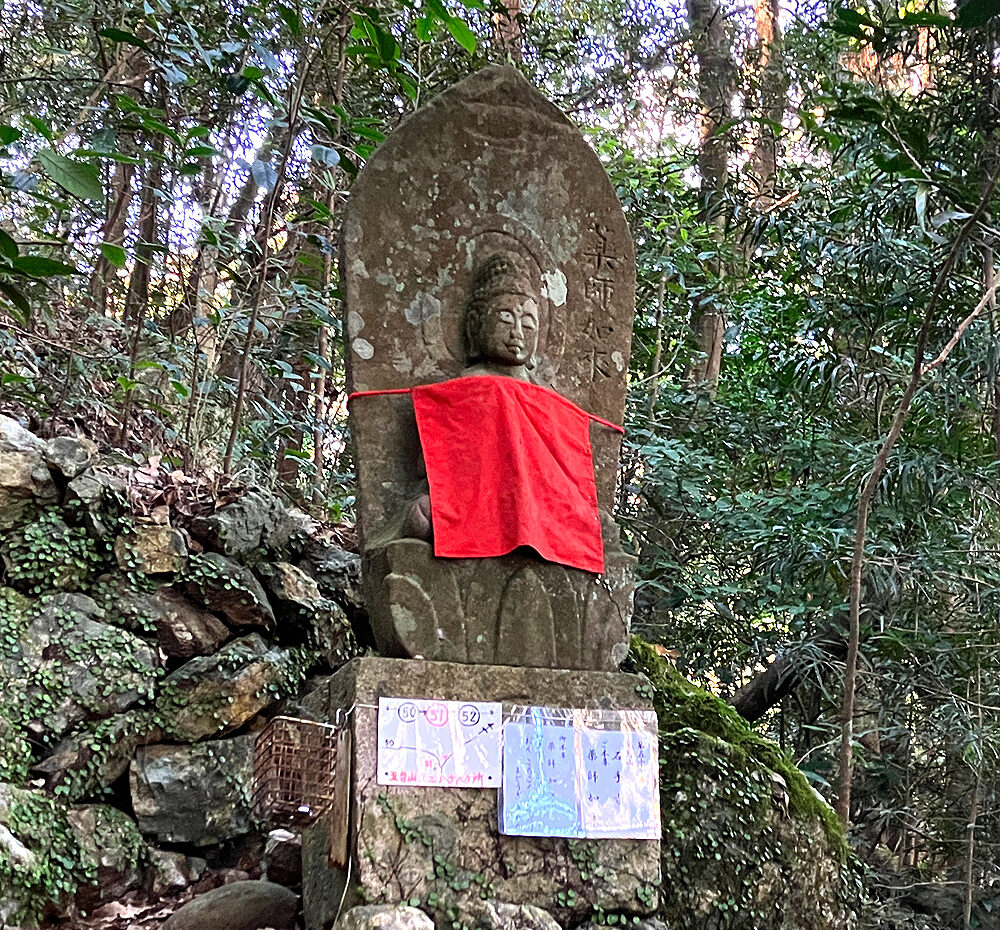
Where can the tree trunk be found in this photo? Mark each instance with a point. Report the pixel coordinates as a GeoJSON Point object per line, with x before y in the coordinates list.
{"type": "Point", "coordinates": [508, 29]}
{"type": "Point", "coordinates": [771, 92]}
{"type": "Point", "coordinates": [715, 90]}
{"type": "Point", "coordinates": [114, 233]}
{"type": "Point", "coordinates": [782, 677]}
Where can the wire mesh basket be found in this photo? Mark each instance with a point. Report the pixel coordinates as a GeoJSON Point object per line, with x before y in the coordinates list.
{"type": "Point", "coordinates": [295, 770]}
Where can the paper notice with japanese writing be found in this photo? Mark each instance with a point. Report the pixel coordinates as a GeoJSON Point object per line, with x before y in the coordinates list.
{"type": "Point", "coordinates": [580, 773]}
{"type": "Point", "coordinates": [446, 744]}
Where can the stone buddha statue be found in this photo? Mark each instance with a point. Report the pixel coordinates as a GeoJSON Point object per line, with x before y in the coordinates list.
{"type": "Point", "coordinates": [493, 303]}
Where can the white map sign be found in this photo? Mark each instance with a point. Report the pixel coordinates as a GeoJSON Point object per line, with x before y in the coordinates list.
{"type": "Point", "coordinates": [580, 773]}
{"type": "Point", "coordinates": [449, 744]}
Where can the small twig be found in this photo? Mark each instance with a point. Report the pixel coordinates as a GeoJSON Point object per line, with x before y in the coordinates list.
{"type": "Point", "coordinates": [54, 344]}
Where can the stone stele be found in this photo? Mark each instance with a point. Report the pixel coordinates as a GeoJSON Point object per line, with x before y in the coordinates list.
{"type": "Point", "coordinates": [489, 166]}
{"type": "Point", "coordinates": [442, 846]}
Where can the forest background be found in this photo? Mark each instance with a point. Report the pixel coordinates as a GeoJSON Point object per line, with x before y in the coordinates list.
{"type": "Point", "coordinates": [811, 471]}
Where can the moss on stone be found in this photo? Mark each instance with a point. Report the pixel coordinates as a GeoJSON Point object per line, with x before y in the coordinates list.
{"type": "Point", "coordinates": [741, 847]}
{"type": "Point", "coordinates": [679, 704]}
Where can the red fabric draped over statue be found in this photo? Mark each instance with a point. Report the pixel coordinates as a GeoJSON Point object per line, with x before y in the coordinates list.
{"type": "Point", "coordinates": [509, 464]}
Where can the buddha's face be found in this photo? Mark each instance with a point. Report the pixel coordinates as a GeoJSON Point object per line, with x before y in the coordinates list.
{"type": "Point", "coordinates": [509, 331]}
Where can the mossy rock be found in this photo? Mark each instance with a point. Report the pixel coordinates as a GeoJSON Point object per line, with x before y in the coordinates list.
{"type": "Point", "coordinates": [746, 841]}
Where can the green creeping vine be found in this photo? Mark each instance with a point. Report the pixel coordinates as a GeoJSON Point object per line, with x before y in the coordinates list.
{"type": "Point", "coordinates": [48, 555]}
{"type": "Point", "coordinates": [57, 865]}
{"type": "Point", "coordinates": [449, 879]}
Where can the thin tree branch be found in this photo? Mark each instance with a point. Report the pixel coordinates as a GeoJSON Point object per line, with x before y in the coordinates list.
{"type": "Point", "coordinates": [843, 806]}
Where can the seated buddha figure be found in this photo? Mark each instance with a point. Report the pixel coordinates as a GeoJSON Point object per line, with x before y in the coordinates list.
{"type": "Point", "coordinates": [500, 336]}
{"type": "Point", "coordinates": [504, 549]}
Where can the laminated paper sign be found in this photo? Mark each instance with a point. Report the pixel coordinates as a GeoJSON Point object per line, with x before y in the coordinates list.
{"type": "Point", "coordinates": [580, 773]}
{"type": "Point", "coordinates": [448, 744]}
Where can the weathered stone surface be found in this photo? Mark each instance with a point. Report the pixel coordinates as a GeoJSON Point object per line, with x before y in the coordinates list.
{"type": "Point", "coordinates": [62, 565]}
{"type": "Point", "coordinates": [740, 849]}
{"type": "Point", "coordinates": [517, 610]}
{"type": "Point", "coordinates": [173, 870]}
{"type": "Point", "coordinates": [32, 827]}
{"type": "Point", "coordinates": [257, 520]}
{"type": "Point", "coordinates": [290, 587]}
{"type": "Point", "coordinates": [301, 607]}
{"type": "Point", "coordinates": [499, 915]}
{"type": "Point", "coordinates": [283, 857]}
{"type": "Point", "coordinates": [96, 754]}
{"type": "Point", "coordinates": [218, 693]}
{"type": "Point", "coordinates": [238, 906]}
{"type": "Point", "coordinates": [25, 480]}
{"type": "Point", "coordinates": [490, 168]}
{"type": "Point", "coordinates": [70, 455]}
{"type": "Point", "coordinates": [651, 923]}
{"type": "Point", "coordinates": [108, 838]}
{"type": "Point", "coordinates": [101, 497]}
{"type": "Point", "coordinates": [460, 823]}
{"type": "Point", "coordinates": [337, 572]}
{"type": "Point", "coordinates": [63, 652]}
{"type": "Point", "coordinates": [155, 550]}
{"type": "Point", "coordinates": [182, 629]}
{"type": "Point", "coordinates": [225, 587]}
{"type": "Point", "coordinates": [14, 850]}
{"type": "Point", "coordinates": [384, 917]}
{"type": "Point", "coordinates": [193, 794]}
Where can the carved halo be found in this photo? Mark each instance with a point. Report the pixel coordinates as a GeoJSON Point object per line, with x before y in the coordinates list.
{"type": "Point", "coordinates": [504, 236]}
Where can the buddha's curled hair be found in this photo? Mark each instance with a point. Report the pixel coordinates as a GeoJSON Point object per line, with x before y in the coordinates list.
{"type": "Point", "coordinates": [500, 273]}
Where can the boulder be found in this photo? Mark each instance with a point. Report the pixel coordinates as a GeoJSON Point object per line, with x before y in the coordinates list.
{"type": "Point", "coordinates": [25, 480]}
{"type": "Point", "coordinates": [74, 666]}
{"type": "Point", "coordinates": [305, 614]}
{"type": "Point", "coordinates": [46, 554]}
{"type": "Point", "coordinates": [193, 794]}
{"type": "Point", "coordinates": [740, 848]}
{"type": "Point", "coordinates": [257, 520]}
{"type": "Point", "coordinates": [385, 917]}
{"type": "Point", "coordinates": [943, 903]}
{"type": "Point", "coordinates": [218, 693]}
{"type": "Point", "coordinates": [283, 857]}
{"type": "Point", "coordinates": [96, 754]}
{"type": "Point", "coordinates": [14, 851]}
{"type": "Point", "coordinates": [109, 840]}
{"type": "Point", "coordinates": [100, 499]}
{"type": "Point", "coordinates": [173, 870]}
{"type": "Point", "coordinates": [501, 915]}
{"type": "Point", "coordinates": [182, 629]}
{"type": "Point", "coordinates": [304, 529]}
{"type": "Point", "coordinates": [70, 456]}
{"type": "Point", "coordinates": [40, 858]}
{"type": "Point", "coordinates": [293, 591]}
{"type": "Point", "coordinates": [337, 572]}
{"type": "Point", "coordinates": [224, 587]}
{"type": "Point", "coordinates": [154, 550]}
{"type": "Point", "coordinates": [238, 906]}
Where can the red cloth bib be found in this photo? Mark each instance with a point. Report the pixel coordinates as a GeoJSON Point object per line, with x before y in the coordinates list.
{"type": "Point", "coordinates": [509, 464]}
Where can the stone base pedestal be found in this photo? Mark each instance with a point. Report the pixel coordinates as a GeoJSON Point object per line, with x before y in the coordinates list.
{"type": "Point", "coordinates": [441, 846]}
{"type": "Point", "coordinates": [513, 610]}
